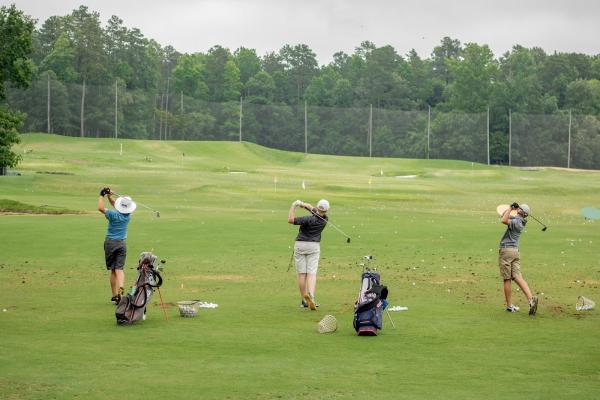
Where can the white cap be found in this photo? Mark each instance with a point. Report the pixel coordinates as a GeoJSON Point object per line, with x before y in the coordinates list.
{"type": "Point", "coordinates": [125, 205]}
{"type": "Point", "coordinates": [525, 209]}
{"type": "Point", "coordinates": [323, 205]}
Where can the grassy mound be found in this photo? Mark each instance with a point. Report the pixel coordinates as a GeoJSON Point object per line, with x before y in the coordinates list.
{"type": "Point", "coordinates": [16, 207]}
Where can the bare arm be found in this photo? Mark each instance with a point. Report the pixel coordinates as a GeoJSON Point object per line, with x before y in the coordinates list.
{"type": "Point", "coordinates": [101, 207]}
{"type": "Point", "coordinates": [307, 206]}
{"type": "Point", "coordinates": [111, 199]}
{"type": "Point", "coordinates": [506, 216]}
{"type": "Point", "coordinates": [291, 215]}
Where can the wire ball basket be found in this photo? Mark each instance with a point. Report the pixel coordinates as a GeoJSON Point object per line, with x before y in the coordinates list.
{"type": "Point", "coordinates": [584, 304]}
{"type": "Point", "coordinates": [188, 309]}
{"type": "Point", "coordinates": [327, 325]}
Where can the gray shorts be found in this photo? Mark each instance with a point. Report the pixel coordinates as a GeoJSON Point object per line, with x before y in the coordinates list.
{"type": "Point", "coordinates": [306, 256]}
{"type": "Point", "coordinates": [115, 252]}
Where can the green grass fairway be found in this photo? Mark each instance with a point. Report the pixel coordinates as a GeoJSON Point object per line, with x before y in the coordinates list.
{"type": "Point", "coordinates": [224, 233]}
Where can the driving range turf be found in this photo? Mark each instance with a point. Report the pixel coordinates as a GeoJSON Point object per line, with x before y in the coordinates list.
{"type": "Point", "coordinates": [224, 233]}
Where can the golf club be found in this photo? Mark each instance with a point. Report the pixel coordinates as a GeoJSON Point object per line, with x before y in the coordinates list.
{"type": "Point", "coordinates": [290, 263]}
{"type": "Point", "coordinates": [539, 222]}
{"type": "Point", "coordinates": [332, 224]}
{"type": "Point", "coordinates": [141, 204]}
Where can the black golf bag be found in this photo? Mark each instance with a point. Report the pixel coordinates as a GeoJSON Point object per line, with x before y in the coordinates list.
{"type": "Point", "coordinates": [132, 307]}
{"type": "Point", "coordinates": [368, 310]}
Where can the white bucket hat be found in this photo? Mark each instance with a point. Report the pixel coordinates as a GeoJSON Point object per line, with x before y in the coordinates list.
{"type": "Point", "coordinates": [323, 205]}
{"type": "Point", "coordinates": [525, 209]}
{"type": "Point", "coordinates": [125, 205]}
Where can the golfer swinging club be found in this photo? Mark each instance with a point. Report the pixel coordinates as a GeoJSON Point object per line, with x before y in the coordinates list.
{"type": "Point", "coordinates": [307, 248]}
{"type": "Point", "coordinates": [509, 260]}
{"type": "Point", "coordinates": [115, 248]}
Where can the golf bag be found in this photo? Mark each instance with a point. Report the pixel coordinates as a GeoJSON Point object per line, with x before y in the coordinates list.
{"type": "Point", "coordinates": [368, 310]}
{"type": "Point", "coordinates": [132, 307]}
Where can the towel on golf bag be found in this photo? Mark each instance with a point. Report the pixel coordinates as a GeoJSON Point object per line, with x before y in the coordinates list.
{"type": "Point", "coordinates": [132, 307]}
{"type": "Point", "coordinates": [371, 302]}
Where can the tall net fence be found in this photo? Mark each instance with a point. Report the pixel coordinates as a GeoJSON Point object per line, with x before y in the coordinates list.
{"type": "Point", "coordinates": [400, 133]}
{"type": "Point", "coordinates": [558, 140]}
{"type": "Point", "coordinates": [585, 142]}
{"type": "Point", "coordinates": [457, 136]}
{"type": "Point", "coordinates": [342, 131]}
{"type": "Point", "coordinates": [275, 126]}
{"type": "Point", "coordinates": [561, 140]}
{"type": "Point", "coordinates": [539, 140]}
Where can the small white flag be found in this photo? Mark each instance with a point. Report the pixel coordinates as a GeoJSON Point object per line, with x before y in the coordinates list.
{"type": "Point", "coordinates": [381, 172]}
{"type": "Point", "coordinates": [303, 186]}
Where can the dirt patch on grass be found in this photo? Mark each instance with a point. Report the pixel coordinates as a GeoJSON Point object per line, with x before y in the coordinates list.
{"type": "Point", "coordinates": [556, 309]}
{"type": "Point", "coordinates": [218, 278]}
{"type": "Point", "coordinates": [454, 280]}
{"type": "Point", "coordinates": [54, 173]}
{"type": "Point", "coordinates": [572, 169]}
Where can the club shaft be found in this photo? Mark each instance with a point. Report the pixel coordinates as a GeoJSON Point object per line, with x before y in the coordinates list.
{"type": "Point", "coordinates": [329, 223]}
{"type": "Point", "coordinates": [538, 221]}
{"type": "Point", "coordinates": [137, 202]}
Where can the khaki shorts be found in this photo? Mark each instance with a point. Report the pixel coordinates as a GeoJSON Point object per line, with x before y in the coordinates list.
{"type": "Point", "coordinates": [509, 263]}
{"type": "Point", "coordinates": [306, 256]}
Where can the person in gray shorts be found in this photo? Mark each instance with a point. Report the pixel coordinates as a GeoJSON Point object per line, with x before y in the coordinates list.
{"type": "Point", "coordinates": [115, 247]}
{"type": "Point", "coordinates": [307, 248]}
{"type": "Point", "coordinates": [509, 260]}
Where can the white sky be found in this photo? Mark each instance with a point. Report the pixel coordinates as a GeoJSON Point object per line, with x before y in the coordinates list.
{"type": "Point", "coordinates": [327, 26]}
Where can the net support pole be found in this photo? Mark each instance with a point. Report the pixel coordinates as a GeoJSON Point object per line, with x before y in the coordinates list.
{"type": "Point", "coordinates": [305, 128]}
{"type": "Point", "coordinates": [160, 124]}
{"type": "Point", "coordinates": [509, 137]}
{"type": "Point", "coordinates": [241, 111]}
{"type": "Point", "coordinates": [569, 145]}
{"type": "Point", "coordinates": [116, 109]}
{"type": "Point", "coordinates": [167, 108]}
{"type": "Point", "coordinates": [370, 130]}
{"type": "Point", "coordinates": [48, 110]}
{"type": "Point", "coordinates": [428, 128]}
{"type": "Point", "coordinates": [488, 136]}
{"type": "Point", "coordinates": [81, 115]}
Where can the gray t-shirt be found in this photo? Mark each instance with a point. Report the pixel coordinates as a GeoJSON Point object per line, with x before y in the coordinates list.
{"type": "Point", "coordinates": [311, 227]}
{"type": "Point", "coordinates": [513, 232]}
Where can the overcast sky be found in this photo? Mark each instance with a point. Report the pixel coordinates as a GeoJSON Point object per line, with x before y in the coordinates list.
{"type": "Point", "coordinates": [328, 26]}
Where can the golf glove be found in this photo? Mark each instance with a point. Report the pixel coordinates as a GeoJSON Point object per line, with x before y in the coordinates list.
{"type": "Point", "coordinates": [514, 206]}
{"type": "Point", "coordinates": [298, 203]}
{"type": "Point", "coordinates": [104, 191]}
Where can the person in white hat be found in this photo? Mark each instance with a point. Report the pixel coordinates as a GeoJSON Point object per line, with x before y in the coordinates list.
{"type": "Point", "coordinates": [115, 247]}
{"type": "Point", "coordinates": [307, 248]}
{"type": "Point", "coordinates": [509, 259]}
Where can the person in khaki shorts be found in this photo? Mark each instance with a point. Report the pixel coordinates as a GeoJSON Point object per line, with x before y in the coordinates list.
{"type": "Point", "coordinates": [509, 260]}
{"type": "Point", "coordinates": [307, 248]}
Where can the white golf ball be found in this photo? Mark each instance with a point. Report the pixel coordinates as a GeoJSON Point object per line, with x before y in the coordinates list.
{"type": "Point", "coordinates": [4, 310]}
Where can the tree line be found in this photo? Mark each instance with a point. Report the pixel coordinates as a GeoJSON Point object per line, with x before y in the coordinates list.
{"type": "Point", "coordinates": [88, 63]}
